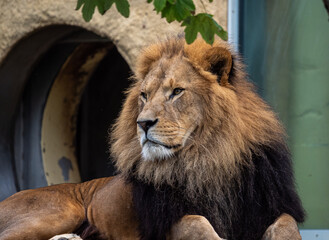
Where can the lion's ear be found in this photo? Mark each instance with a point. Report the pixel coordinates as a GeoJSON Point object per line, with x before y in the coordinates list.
{"type": "Point", "coordinates": [220, 63]}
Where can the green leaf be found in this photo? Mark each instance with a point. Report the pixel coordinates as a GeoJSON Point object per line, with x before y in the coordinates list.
{"type": "Point", "coordinates": [149, 1]}
{"type": "Point", "coordinates": [187, 4]}
{"type": "Point", "coordinates": [100, 6]}
{"type": "Point", "coordinates": [211, 1]}
{"type": "Point", "coordinates": [221, 32]}
{"type": "Point", "coordinates": [183, 9]}
{"type": "Point", "coordinates": [88, 10]}
{"type": "Point", "coordinates": [89, 6]}
{"type": "Point", "coordinates": [79, 4]}
{"type": "Point", "coordinates": [123, 7]}
{"type": "Point", "coordinates": [108, 4]}
{"type": "Point", "coordinates": [205, 25]}
{"type": "Point", "coordinates": [190, 30]}
{"type": "Point", "coordinates": [190, 34]}
{"type": "Point", "coordinates": [159, 5]}
{"type": "Point", "coordinates": [178, 10]}
{"type": "Point", "coordinates": [169, 13]}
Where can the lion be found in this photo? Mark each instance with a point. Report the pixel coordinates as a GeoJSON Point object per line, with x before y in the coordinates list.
{"type": "Point", "coordinates": [199, 156]}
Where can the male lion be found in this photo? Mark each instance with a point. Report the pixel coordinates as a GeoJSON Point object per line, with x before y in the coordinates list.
{"type": "Point", "coordinates": [199, 156]}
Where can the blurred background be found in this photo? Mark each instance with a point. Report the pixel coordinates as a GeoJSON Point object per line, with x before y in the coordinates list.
{"type": "Point", "coordinates": [61, 84]}
{"type": "Point", "coordinates": [286, 47]}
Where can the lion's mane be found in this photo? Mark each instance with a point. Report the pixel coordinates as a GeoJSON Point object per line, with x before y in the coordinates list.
{"type": "Point", "coordinates": [238, 173]}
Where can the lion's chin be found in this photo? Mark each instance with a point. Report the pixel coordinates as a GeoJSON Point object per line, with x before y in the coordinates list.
{"type": "Point", "coordinates": [152, 151]}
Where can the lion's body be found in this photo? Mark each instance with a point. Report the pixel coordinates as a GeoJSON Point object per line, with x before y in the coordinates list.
{"type": "Point", "coordinates": [194, 138]}
{"type": "Point", "coordinates": [235, 170]}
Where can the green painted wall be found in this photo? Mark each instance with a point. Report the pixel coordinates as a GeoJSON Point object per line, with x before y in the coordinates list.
{"type": "Point", "coordinates": [293, 75]}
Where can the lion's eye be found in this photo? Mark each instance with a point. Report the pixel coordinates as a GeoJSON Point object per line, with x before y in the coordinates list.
{"type": "Point", "coordinates": [176, 91]}
{"type": "Point", "coordinates": [144, 95]}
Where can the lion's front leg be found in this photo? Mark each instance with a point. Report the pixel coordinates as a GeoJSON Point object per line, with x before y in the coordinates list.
{"type": "Point", "coordinates": [284, 228]}
{"type": "Point", "coordinates": [193, 227]}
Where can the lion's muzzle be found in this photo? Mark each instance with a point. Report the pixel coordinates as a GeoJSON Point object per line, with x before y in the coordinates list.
{"type": "Point", "coordinates": [152, 144]}
{"type": "Point", "coordinates": [146, 124]}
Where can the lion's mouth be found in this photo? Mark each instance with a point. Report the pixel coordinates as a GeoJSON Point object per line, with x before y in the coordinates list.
{"type": "Point", "coordinates": [161, 144]}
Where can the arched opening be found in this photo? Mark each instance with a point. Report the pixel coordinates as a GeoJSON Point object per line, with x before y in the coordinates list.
{"type": "Point", "coordinates": [51, 82]}
{"type": "Point", "coordinates": [100, 105]}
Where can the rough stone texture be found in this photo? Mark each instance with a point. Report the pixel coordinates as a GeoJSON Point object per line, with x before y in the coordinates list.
{"type": "Point", "coordinates": [19, 18]}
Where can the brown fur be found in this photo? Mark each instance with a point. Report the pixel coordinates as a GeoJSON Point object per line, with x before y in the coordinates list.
{"type": "Point", "coordinates": [283, 228]}
{"type": "Point", "coordinates": [233, 120]}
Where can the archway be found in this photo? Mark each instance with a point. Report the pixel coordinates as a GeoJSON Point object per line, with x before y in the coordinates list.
{"type": "Point", "coordinates": [42, 83]}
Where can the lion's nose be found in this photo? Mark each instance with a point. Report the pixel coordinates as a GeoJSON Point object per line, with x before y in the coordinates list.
{"type": "Point", "coordinates": [146, 124]}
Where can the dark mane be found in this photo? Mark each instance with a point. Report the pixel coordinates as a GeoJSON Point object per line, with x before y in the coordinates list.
{"type": "Point", "coordinates": [266, 192]}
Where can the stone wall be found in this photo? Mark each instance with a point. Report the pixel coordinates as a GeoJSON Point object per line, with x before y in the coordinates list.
{"type": "Point", "coordinates": [19, 18]}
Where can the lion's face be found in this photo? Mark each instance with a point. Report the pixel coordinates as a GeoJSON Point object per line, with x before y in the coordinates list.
{"type": "Point", "coordinates": [170, 108]}
{"type": "Point", "coordinates": [190, 118]}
